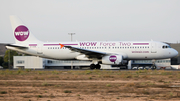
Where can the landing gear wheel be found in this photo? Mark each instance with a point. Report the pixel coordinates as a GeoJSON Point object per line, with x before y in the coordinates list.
{"type": "Point", "coordinates": [153, 67]}
{"type": "Point", "coordinates": [92, 66]}
{"type": "Point", "coordinates": [98, 66]}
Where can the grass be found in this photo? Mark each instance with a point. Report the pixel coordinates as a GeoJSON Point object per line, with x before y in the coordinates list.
{"type": "Point", "coordinates": [160, 80]}
{"type": "Point", "coordinates": [57, 86]}
{"type": "Point", "coordinates": [108, 85]}
{"type": "Point", "coordinates": [45, 84]}
{"type": "Point", "coordinates": [55, 72]}
{"type": "Point", "coordinates": [128, 76]}
{"type": "Point", "coordinates": [88, 72]}
{"type": "Point", "coordinates": [3, 92]}
{"type": "Point", "coordinates": [149, 84]}
{"type": "Point", "coordinates": [39, 96]}
{"type": "Point", "coordinates": [28, 70]}
{"type": "Point", "coordinates": [67, 91]}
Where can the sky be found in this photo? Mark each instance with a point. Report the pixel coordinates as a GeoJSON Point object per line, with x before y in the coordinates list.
{"type": "Point", "coordinates": [94, 20]}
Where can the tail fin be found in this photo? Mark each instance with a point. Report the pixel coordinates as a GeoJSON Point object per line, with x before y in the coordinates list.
{"type": "Point", "coordinates": [21, 33]}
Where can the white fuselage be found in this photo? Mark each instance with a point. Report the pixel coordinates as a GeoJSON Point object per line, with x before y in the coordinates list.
{"type": "Point", "coordinates": [128, 49]}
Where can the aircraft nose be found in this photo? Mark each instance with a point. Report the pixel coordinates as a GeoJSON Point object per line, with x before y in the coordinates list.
{"type": "Point", "coordinates": [174, 53]}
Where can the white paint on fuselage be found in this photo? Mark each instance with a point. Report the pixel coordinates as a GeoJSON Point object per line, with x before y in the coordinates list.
{"type": "Point", "coordinates": [126, 48]}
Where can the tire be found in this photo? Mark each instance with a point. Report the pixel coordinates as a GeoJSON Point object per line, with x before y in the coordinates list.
{"type": "Point", "coordinates": [98, 66]}
{"type": "Point", "coordinates": [92, 66]}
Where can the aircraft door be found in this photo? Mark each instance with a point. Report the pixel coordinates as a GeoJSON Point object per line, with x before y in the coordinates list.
{"type": "Point", "coordinates": [153, 47]}
{"type": "Point", "coordinates": [39, 49]}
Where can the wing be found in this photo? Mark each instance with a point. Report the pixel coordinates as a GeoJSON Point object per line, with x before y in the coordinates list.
{"type": "Point", "coordinates": [88, 53]}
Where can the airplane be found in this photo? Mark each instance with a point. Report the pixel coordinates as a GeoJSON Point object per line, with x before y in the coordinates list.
{"type": "Point", "coordinates": [99, 52]}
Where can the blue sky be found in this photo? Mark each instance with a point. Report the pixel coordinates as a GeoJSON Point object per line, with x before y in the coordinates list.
{"type": "Point", "coordinates": [94, 20]}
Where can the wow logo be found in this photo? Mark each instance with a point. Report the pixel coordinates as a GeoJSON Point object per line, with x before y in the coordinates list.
{"type": "Point", "coordinates": [112, 58]}
{"type": "Point", "coordinates": [21, 33]}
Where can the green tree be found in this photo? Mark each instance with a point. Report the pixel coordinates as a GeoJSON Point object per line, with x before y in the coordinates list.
{"type": "Point", "coordinates": [6, 57]}
{"type": "Point", "coordinates": [1, 61]}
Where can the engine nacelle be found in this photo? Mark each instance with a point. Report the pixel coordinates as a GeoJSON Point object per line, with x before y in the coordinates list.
{"type": "Point", "coordinates": [112, 60]}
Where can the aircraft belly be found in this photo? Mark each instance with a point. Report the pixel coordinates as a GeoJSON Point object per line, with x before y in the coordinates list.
{"type": "Point", "coordinates": [141, 56]}
{"type": "Point", "coordinates": [60, 54]}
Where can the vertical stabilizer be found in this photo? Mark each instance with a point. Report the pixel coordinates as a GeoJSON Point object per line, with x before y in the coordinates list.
{"type": "Point", "coordinates": [21, 33]}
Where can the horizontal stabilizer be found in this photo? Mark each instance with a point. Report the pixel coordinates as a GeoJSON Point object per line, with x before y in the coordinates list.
{"type": "Point", "coordinates": [17, 46]}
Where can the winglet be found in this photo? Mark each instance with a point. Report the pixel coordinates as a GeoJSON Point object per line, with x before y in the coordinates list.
{"type": "Point", "coordinates": [61, 45]}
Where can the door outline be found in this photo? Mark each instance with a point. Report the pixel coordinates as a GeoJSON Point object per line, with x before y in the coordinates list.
{"type": "Point", "coordinates": [153, 47]}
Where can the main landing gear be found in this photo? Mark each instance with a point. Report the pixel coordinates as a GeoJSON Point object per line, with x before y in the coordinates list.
{"type": "Point", "coordinates": [153, 64]}
{"type": "Point", "coordinates": [93, 66]}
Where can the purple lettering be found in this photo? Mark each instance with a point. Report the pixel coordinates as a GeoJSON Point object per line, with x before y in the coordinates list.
{"type": "Point", "coordinates": [82, 44]}
{"type": "Point", "coordinates": [87, 44]}
{"type": "Point", "coordinates": [107, 44]}
{"type": "Point", "coordinates": [125, 44]}
{"type": "Point", "coordinates": [93, 44]}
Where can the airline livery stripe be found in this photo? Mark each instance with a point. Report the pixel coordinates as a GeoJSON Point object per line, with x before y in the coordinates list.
{"type": "Point", "coordinates": [32, 44]}
{"type": "Point", "coordinates": [50, 44]}
{"type": "Point", "coordinates": [140, 43]}
{"type": "Point", "coordinates": [70, 44]}
{"type": "Point", "coordinates": [57, 44]}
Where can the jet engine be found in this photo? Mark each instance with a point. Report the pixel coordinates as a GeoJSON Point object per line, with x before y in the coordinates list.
{"type": "Point", "coordinates": [112, 60]}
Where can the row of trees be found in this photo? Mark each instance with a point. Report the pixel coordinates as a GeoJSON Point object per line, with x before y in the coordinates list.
{"type": "Point", "coordinates": [4, 61]}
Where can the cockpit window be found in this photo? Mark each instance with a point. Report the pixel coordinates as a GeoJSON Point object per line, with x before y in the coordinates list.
{"type": "Point", "coordinates": [166, 47]}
